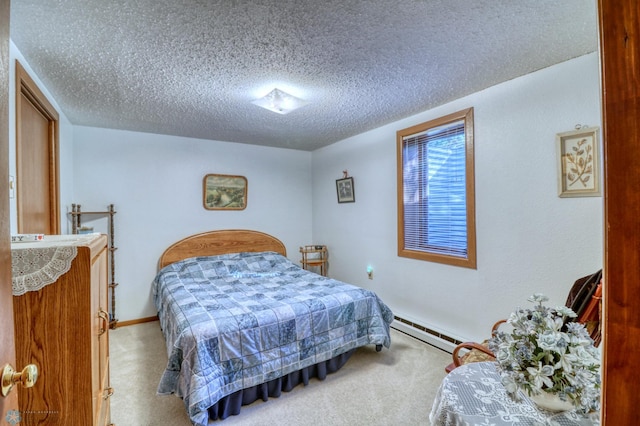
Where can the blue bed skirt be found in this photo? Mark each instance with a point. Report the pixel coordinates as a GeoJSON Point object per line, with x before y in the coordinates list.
{"type": "Point", "coordinates": [231, 404]}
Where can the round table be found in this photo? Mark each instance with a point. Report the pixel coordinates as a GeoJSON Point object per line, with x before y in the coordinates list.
{"type": "Point", "coordinates": [473, 394]}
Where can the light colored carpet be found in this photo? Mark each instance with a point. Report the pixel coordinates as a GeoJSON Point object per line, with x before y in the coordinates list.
{"type": "Point", "coordinates": [395, 386]}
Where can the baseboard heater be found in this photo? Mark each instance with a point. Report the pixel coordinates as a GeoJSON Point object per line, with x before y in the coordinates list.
{"type": "Point", "coordinates": [426, 334]}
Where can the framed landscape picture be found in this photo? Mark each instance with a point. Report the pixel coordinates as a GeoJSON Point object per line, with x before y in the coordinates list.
{"type": "Point", "coordinates": [224, 192]}
{"type": "Point", "coordinates": [578, 163]}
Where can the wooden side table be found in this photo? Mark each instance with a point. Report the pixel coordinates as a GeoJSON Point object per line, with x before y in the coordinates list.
{"type": "Point", "coordinates": [314, 256]}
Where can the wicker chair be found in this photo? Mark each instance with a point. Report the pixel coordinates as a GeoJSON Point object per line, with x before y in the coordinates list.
{"type": "Point", "coordinates": [585, 299]}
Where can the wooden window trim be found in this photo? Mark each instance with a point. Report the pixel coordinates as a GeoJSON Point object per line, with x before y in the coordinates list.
{"type": "Point", "coordinates": [471, 260]}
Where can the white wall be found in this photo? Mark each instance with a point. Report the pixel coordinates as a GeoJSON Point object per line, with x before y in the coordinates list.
{"type": "Point", "coordinates": [65, 140]}
{"type": "Point", "coordinates": [528, 239]}
{"type": "Point", "coordinates": [155, 183]}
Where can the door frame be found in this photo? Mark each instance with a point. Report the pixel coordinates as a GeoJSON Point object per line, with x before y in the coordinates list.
{"type": "Point", "coordinates": [8, 404]}
{"type": "Point", "coordinates": [619, 53]}
{"type": "Point", "coordinates": [26, 86]}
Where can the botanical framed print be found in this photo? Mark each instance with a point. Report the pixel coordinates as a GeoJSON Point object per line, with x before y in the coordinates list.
{"type": "Point", "coordinates": [579, 163]}
{"type": "Point", "coordinates": [224, 192]}
{"type": "Point", "coordinates": [346, 193]}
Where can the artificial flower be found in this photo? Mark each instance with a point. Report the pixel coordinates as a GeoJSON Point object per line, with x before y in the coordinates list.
{"type": "Point", "coordinates": [546, 352]}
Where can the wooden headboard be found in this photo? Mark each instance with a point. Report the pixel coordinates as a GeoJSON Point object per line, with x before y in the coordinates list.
{"type": "Point", "coordinates": [220, 242]}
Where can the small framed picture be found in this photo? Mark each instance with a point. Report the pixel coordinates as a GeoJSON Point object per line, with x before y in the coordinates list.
{"type": "Point", "coordinates": [346, 193]}
{"type": "Point", "coordinates": [579, 163]}
{"type": "Point", "coordinates": [224, 192]}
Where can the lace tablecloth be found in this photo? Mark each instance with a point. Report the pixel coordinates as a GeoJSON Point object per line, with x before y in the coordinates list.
{"type": "Point", "coordinates": [38, 264]}
{"type": "Point", "coordinates": [472, 394]}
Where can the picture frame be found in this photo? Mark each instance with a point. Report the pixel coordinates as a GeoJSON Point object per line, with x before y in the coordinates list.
{"type": "Point", "coordinates": [224, 192]}
{"type": "Point", "coordinates": [345, 190]}
{"type": "Point", "coordinates": [579, 162]}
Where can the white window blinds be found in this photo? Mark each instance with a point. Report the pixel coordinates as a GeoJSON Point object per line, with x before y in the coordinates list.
{"type": "Point", "coordinates": [434, 186]}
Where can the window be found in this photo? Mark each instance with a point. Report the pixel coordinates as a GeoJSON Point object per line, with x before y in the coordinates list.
{"type": "Point", "coordinates": [436, 194]}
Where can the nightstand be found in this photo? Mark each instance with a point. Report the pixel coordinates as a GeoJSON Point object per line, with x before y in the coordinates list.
{"type": "Point", "coordinates": [314, 256]}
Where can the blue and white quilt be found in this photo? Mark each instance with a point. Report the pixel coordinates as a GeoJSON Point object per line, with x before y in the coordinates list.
{"type": "Point", "coordinates": [238, 320]}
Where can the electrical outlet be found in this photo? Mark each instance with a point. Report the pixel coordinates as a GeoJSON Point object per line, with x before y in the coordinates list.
{"type": "Point", "coordinates": [370, 272]}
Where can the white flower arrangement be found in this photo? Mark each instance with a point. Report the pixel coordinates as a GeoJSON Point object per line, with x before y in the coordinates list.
{"type": "Point", "coordinates": [545, 353]}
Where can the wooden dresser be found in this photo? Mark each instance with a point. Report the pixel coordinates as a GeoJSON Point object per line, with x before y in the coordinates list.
{"type": "Point", "coordinates": [63, 328]}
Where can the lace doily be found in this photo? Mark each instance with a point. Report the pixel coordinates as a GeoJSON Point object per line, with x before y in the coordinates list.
{"type": "Point", "coordinates": [34, 268]}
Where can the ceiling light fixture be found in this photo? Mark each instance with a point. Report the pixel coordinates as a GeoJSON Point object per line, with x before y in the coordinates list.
{"type": "Point", "coordinates": [279, 102]}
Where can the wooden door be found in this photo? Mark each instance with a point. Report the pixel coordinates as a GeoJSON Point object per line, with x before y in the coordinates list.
{"type": "Point", "coordinates": [620, 62]}
{"type": "Point", "coordinates": [36, 158]}
{"type": "Point", "coordinates": [9, 404]}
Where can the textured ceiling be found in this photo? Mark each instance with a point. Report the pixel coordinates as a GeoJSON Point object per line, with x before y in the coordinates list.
{"type": "Point", "coordinates": [192, 67]}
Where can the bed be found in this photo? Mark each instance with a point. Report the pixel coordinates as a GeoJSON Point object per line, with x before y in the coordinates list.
{"type": "Point", "coordinates": [242, 322]}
